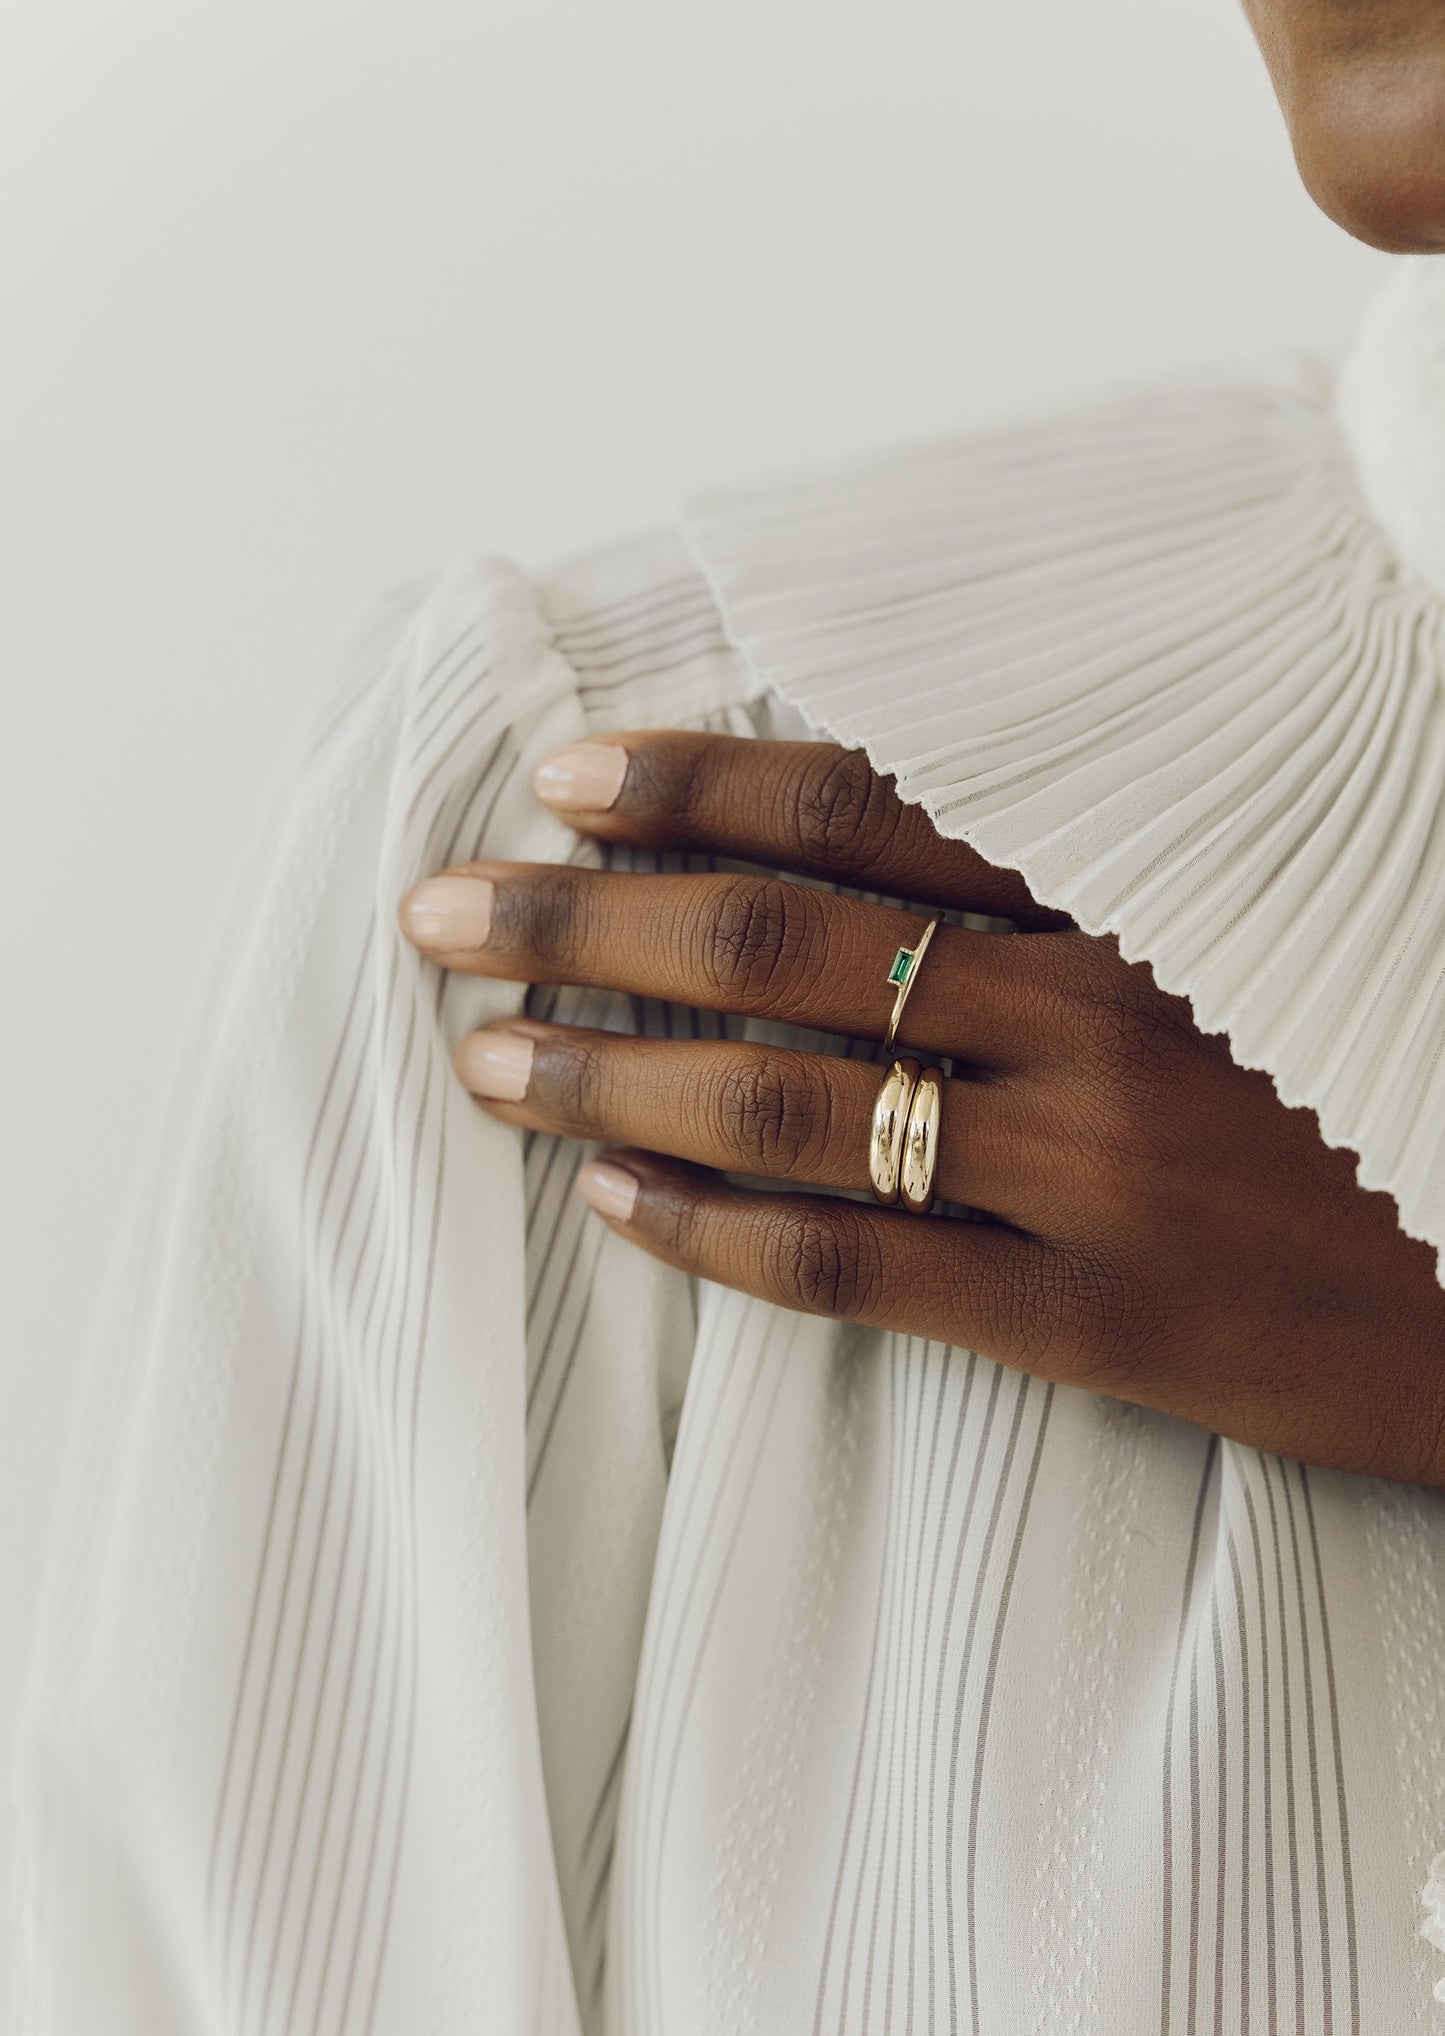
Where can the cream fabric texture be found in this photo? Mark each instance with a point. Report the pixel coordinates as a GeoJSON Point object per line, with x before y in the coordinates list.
{"type": "Point", "coordinates": [462, 1623]}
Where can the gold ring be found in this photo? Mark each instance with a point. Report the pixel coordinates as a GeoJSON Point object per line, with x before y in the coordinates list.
{"type": "Point", "coordinates": [920, 1142]}
{"type": "Point", "coordinates": [903, 975]}
{"type": "Point", "coordinates": [890, 1119]}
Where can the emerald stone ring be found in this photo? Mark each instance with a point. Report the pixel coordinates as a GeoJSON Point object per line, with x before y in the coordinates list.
{"type": "Point", "coordinates": [903, 975]}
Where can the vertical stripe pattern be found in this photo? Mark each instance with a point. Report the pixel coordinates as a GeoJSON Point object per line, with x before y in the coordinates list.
{"type": "Point", "coordinates": [1259, 1925]}
{"type": "Point", "coordinates": [462, 1623]}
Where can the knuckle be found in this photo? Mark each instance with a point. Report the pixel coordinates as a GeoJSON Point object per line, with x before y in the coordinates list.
{"type": "Point", "coordinates": [845, 814]}
{"type": "Point", "coordinates": [666, 780]}
{"type": "Point", "coordinates": [826, 1263]}
{"type": "Point", "coordinates": [757, 935]}
{"type": "Point", "coordinates": [1119, 1158]}
{"type": "Point", "coordinates": [573, 1083]}
{"type": "Point", "coordinates": [1128, 1139]}
{"type": "Point", "coordinates": [546, 917]}
{"type": "Point", "coordinates": [776, 1122]}
{"type": "Point", "coordinates": [1112, 1320]}
{"type": "Point", "coordinates": [1124, 1022]}
{"type": "Point", "coordinates": [683, 1220]}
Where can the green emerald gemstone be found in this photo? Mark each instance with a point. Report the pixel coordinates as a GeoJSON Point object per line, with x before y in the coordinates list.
{"type": "Point", "coordinates": [902, 966]}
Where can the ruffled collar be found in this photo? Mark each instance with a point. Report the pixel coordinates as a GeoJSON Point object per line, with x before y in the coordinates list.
{"type": "Point", "coordinates": [1176, 657]}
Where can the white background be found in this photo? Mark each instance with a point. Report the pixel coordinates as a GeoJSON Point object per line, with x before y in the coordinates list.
{"type": "Point", "coordinates": [302, 295]}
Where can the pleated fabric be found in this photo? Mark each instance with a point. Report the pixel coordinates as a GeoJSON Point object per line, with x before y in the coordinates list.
{"type": "Point", "coordinates": [1159, 657]}
{"type": "Point", "coordinates": [462, 1623]}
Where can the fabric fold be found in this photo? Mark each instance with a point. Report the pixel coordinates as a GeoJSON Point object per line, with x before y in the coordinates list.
{"type": "Point", "coordinates": [1159, 657]}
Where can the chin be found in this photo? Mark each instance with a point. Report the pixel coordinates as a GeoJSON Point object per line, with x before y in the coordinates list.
{"type": "Point", "coordinates": [1370, 144]}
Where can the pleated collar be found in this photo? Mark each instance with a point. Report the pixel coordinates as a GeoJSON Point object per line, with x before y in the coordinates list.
{"type": "Point", "coordinates": [1162, 656]}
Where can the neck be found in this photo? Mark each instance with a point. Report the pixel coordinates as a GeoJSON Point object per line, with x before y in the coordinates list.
{"type": "Point", "coordinates": [1392, 411]}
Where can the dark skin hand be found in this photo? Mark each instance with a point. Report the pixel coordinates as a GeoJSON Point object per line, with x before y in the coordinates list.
{"type": "Point", "coordinates": [1161, 1228]}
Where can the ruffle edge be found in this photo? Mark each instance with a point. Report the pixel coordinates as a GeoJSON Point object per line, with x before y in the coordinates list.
{"type": "Point", "coordinates": [1157, 656]}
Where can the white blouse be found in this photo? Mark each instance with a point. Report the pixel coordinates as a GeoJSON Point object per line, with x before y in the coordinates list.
{"type": "Point", "coordinates": [461, 1622]}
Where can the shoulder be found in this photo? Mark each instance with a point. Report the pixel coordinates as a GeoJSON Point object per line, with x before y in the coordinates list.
{"type": "Point", "coordinates": [629, 631]}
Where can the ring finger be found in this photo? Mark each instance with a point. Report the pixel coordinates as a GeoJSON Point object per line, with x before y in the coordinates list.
{"type": "Point", "coordinates": [739, 1108]}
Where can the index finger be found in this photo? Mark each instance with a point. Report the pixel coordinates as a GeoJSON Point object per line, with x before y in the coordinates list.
{"type": "Point", "coordinates": [806, 806]}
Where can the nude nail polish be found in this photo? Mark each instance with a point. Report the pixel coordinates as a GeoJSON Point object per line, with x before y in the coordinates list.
{"type": "Point", "coordinates": [449, 915]}
{"type": "Point", "coordinates": [586, 777]}
{"type": "Point", "coordinates": [496, 1065]}
{"type": "Point", "coordinates": [611, 1190]}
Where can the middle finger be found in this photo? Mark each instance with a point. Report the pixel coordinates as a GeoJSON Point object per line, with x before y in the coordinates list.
{"type": "Point", "coordinates": [755, 945]}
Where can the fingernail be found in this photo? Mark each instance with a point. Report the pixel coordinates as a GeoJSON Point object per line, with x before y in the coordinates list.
{"type": "Point", "coordinates": [583, 778]}
{"type": "Point", "coordinates": [449, 913]}
{"type": "Point", "coordinates": [496, 1065]}
{"type": "Point", "coordinates": [611, 1190]}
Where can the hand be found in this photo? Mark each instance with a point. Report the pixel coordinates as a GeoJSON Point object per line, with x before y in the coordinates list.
{"type": "Point", "coordinates": [1161, 1228]}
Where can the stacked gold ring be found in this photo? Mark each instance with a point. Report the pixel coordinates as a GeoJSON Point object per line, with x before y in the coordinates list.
{"type": "Point", "coordinates": [903, 1140]}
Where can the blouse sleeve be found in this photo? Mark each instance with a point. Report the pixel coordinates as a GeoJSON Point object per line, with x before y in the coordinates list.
{"type": "Point", "coordinates": [279, 1745]}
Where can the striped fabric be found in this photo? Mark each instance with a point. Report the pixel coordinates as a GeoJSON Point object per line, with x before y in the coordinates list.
{"type": "Point", "coordinates": [462, 1623]}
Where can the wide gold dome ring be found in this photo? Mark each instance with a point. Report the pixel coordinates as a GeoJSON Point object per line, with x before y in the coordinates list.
{"type": "Point", "coordinates": [920, 1143]}
{"type": "Point", "coordinates": [903, 1137]}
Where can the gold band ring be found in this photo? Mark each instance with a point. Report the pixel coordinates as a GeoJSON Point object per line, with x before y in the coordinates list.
{"type": "Point", "coordinates": [903, 1139]}
{"type": "Point", "coordinates": [890, 1122]}
{"type": "Point", "coordinates": [920, 1143]}
{"type": "Point", "coordinates": [903, 975]}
